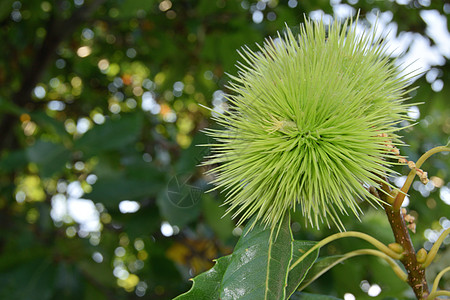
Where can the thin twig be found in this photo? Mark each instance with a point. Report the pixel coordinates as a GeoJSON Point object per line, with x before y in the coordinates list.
{"type": "Point", "coordinates": [401, 195]}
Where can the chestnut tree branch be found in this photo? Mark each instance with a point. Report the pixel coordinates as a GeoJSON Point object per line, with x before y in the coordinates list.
{"type": "Point", "coordinates": [415, 270]}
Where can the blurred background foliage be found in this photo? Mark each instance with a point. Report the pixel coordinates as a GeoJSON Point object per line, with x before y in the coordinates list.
{"type": "Point", "coordinates": [101, 117]}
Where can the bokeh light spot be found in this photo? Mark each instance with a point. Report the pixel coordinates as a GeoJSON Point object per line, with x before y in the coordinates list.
{"type": "Point", "coordinates": [374, 290]}
{"type": "Point", "coordinates": [348, 296]}
{"type": "Point", "coordinates": [97, 257]}
{"type": "Point", "coordinates": [166, 229]}
{"type": "Point", "coordinates": [257, 16]}
{"type": "Point", "coordinates": [39, 92]}
{"type": "Point", "coordinates": [84, 51]}
{"type": "Point", "coordinates": [127, 206]}
{"type": "Point", "coordinates": [165, 5]}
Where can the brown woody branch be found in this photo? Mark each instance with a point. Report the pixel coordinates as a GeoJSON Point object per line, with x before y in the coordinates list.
{"type": "Point", "coordinates": [416, 273]}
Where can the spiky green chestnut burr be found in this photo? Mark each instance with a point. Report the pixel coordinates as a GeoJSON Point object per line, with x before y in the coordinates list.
{"type": "Point", "coordinates": [312, 122]}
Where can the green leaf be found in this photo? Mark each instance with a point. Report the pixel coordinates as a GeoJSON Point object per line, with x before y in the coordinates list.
{"type": "Point", "coordinates": [129, 8]}
{"type": "Point", "coordinates": [10, 260]}
{"type": "Point", "coordinates": [298, 273]}
{"type": "Point", "coordinates": [321, 266]}
{"type": "Point", "coordinates": [307, 296]}
{"type": "Point", "coordinates": [5, 105]}
{"type": "Point", "coordinates": [93, 293]}
{"type": "Point", "coordinates": [207, 285]}
{"type": "Point", "coordinates": [14, 160]}
{"type": "Point", "coordinates": [177, 213]}
{"type": "Point", "coordinates": [68, 284]}
{"type": "Point", "coordinates": [215, 217]}
{"type": "Point", "coordinates": [194, 154]}
{"type": "Point", "coordinates": [100, 271]}
{"type": "Point", "coordinates": [50, 157]}
{"type": "Point", "coordinates": [135, 181]}
{"type": "Point", "coordinates": [113, 134]}
{"type": "Point", "coordinates": [32, 280]}
{"type": "Point", "coordinates": [50, 125]}
{"type": "Point", "coordinates": [259, 263]}
{"type": "Point", "coordinates": [110, 191]}
{"type": "Point", "coordinates": [142, 223]}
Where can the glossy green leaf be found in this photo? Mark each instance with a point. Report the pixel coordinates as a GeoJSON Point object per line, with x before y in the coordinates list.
{"type": "Point", "coordinates": [298, 273]}
{"type": "Point", "coordinates": [307, 296]}
{"type": "Point", "coordinates": [259, 264]}
{"type": "Point", "coordinates": [320, 266]}
{"type": "Point", "coordinates": [206, 286]}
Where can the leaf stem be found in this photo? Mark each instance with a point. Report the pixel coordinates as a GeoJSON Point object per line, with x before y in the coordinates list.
{"type": "Point", "coordinates": [437, 294]}
{"type": "Point", "coordinates": [438, 278]}
{"type": "Point", "coordinates": [435, 248]}
{"type": "Point", "coordinates": [397, 270]}
{"type": "Point", "coordinates": [376, 243]}
{"type": "Point", "coordinates": [405, 188]}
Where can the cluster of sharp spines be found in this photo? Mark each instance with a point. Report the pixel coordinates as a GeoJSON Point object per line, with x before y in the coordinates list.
{"type": "Point", "coordinates": [304, 130]}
